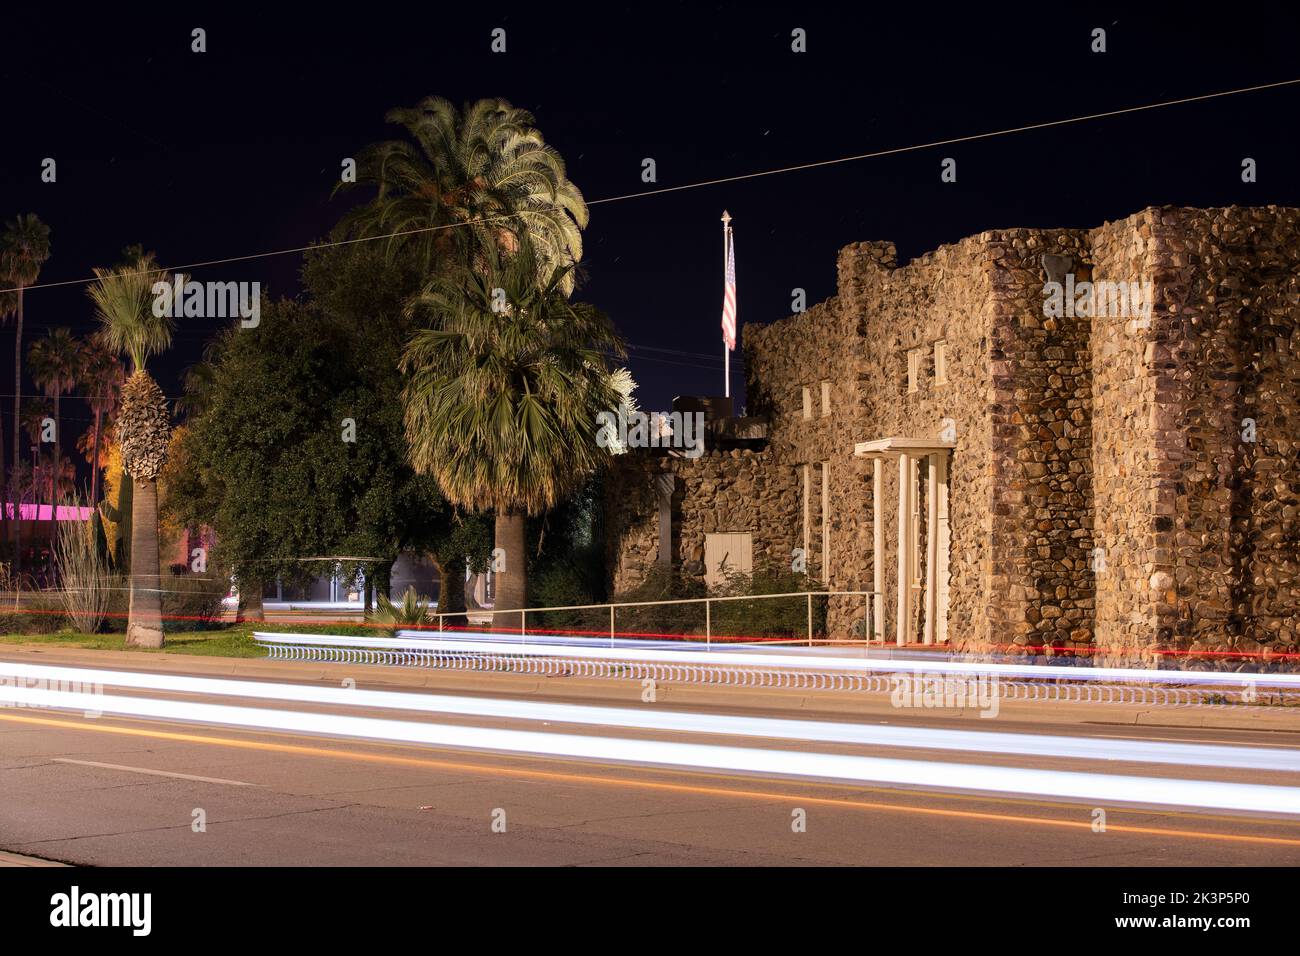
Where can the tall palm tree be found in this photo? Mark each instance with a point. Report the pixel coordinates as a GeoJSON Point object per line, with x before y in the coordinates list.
{"type": "Point", "coordinates": [484, 172]}
{"type": "Point", "coordinates": [123, 303]}
{"type": "Point", "coordinates": [102, 375]}
{"type": "Point", "coordinates": [25, 477]}
{"type": "Point", "coordinates": [56, 365]}
{"type": "Point", "coordinates": [501, 400]}
{"type": "Point", "coordinates": [25, 247]}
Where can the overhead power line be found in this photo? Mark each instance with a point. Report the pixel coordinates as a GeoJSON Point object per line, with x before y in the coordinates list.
{"type": "Point", "coordinates": [894, 151]}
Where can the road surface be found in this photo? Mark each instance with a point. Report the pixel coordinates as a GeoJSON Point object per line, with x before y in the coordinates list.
{"type": "Point", "coordinates": [165, 790]}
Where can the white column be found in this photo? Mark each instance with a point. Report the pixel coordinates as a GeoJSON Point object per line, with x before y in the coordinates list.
{"type": "Point", "coordinates": [826, 523]}
{"type": "Point", "coordinates": [944, 535]}
{"type": "Point", "coordinates": [931, 541]}
{"type": "Point", "coordinates": [878, 545]}
{"type": "Point", "coordinates": [904, 548]}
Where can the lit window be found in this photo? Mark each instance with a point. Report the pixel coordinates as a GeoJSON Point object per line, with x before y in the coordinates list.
{"type": "Point", "coordinates": [807, 402]}
{"type": "Point", "coordinates": [826, 399]}
{"type": "Point", "coordinates": [940, 362]}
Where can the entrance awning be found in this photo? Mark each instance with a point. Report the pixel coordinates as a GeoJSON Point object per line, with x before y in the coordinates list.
{"type": "Point", "coordinates": [893, 447]}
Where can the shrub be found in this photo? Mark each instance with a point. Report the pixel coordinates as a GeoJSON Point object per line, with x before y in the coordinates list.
{"type": "Point", "coordinates": [412, 612]}
{"type": "Point", "coordinates": [86, 582]}
{"type": "Point", "coordinates": [560, 585]}
{"type": "Point", "coordinates": [42, 613]}
{"type": "Point", "coordinates": [663, 584]}
{"type": "Point", "coordinates": [773, 617]}
{"type": "Point", "coordinates": [192, 602]}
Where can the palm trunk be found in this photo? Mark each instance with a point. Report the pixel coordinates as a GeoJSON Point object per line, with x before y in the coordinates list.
{"type": "Point", "coordinates": [18, 389]}
{"type": "Point", "coordinates": [54, 489]}
{"type": "Point", "coordinates": [512, 581]}
{"type": "Point", "coordinates": [451, 590]}
{"type": "Point", "coordinates": [144, 619]}
{"type": "Point", "coordinates": [94, 468]}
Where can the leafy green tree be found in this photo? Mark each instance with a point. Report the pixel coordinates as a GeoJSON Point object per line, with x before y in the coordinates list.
{"type": "Point", "coordinates": [502, 396]}
{"type": "Point", "coordinates": [470, 183]}
{"type": "Point", "coordinates": [365, 292]}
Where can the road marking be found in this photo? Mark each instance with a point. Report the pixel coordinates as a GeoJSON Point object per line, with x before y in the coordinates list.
{"type": "Point", "coordinates": [646, 784]}
{"type": "Point", "coordinates": [152, 773]}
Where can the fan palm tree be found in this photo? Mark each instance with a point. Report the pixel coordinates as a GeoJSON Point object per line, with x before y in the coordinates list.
{"type": "Point", "coordinates": [56, 365]}
{"type": "Point", "coordinates": [102, 375]}
{"type": "Point", "coordinates": [472, 180]}
{"type": "Point", "coordinates": [23, 251]}
{"type": "Point", "coordinates": [128, 326]}
{"type": "Point", "coordinates": [502, 395]}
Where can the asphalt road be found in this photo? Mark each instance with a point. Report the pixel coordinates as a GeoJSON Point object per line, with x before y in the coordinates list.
{"type": "Point", "coordinates": [127, 791]}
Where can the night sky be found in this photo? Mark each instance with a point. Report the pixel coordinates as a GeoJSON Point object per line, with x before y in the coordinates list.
{"type": "Point", "coordinates": [235, 151]}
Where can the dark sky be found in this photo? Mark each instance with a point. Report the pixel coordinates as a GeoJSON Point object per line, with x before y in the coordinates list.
{"type": "Point", "coordinates": [235, 151]}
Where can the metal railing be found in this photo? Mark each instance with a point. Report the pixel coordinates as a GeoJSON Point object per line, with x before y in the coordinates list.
{"type": "Point", "coordinates": [756, 667]}
{"type": "Point", "coordinates": [708, 633]}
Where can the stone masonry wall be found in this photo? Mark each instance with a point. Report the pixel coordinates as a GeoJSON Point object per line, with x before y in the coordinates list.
{"type": "Point", "coordinates": [1199, 523]}
{"type": "Point", "coordinates": [718, 492]}
{"type": "Point", "coordinates": [1072, 434]}
{"type": "Point", "coordinates": [1041, 408]}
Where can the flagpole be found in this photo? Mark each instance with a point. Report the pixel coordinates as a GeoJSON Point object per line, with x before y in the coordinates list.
{"type": "Point", "coordinates": [726, 352]}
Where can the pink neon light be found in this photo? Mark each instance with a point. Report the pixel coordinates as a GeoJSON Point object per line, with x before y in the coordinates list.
{"type": "Point", "coordinates": [33, 512]}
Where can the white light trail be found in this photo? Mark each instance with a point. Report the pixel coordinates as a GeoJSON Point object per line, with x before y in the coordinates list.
{"type": "Point", "coordinates": [758, 657]}
{"type": "Point", "coordinates": [1100, 788]}
{"type": "Point", "coordinates": [1042, 745]}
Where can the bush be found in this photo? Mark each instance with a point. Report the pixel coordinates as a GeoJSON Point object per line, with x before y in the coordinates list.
{"type": "Point", "coordinates": [560, 585]}
{"type": "Point", "coordinates": [192, 602]}
{"type": "Point", "coordinates": [774, 617]}
{"type": "Point", "coordinates": [42, 613]}
{"type": "Point", "coordinates": [663, 584]}
{"type": "Point", "coordinates": [86, 583]}
{"type": "Point", "coordinates": [412, 612]}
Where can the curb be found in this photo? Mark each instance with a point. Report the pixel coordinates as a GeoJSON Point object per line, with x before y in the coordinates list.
{"type": "Point", "coordinates": [625, 691]}
{"type": "Point", "coordinates": [17, 859]}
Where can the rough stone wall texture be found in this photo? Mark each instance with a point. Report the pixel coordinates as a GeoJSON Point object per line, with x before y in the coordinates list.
{"type": "Point", "coordinates": [1199, 524]}
{"type": "Point", "coordinates": [718, 492]}
{"type": "Point", "coordinates": [1072, 433]}
{"type": "Point", "coordinates": [1041, 417]}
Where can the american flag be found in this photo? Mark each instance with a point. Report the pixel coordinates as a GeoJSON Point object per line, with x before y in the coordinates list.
{"type": "Point", "coordinates": [729, 296]}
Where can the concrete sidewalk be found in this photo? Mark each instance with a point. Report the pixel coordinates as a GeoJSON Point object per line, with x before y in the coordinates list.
{"type": "Point", "coordinates": [16, 859]}
{"type": "Point", "coordinates": [629, 692]}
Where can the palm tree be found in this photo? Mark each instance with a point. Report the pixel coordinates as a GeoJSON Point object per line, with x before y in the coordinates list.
{"type": "Point", "coordinates": [25, 247]}
{"type": "Point", "coordinates": [128, 326]}
{"type": "Point", "coordinates": [473, 180]}
{"type": "Point", "coordinates": [501, 400]}
{"type": "Point", "coordinates": [56, 365]}
{"type": "Point", "coordinates": [102, 375]}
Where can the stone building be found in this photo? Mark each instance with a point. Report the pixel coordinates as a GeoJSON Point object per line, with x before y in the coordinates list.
{"type": "Point", "coordinates": [1005, 465]}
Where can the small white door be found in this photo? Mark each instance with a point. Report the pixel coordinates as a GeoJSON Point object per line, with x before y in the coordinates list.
{"type": "Point", "coordinates": [727, 552]}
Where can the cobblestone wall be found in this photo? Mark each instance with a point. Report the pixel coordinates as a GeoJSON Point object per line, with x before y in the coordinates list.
{"type": "Point", "coordinates": [1104, 488]}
